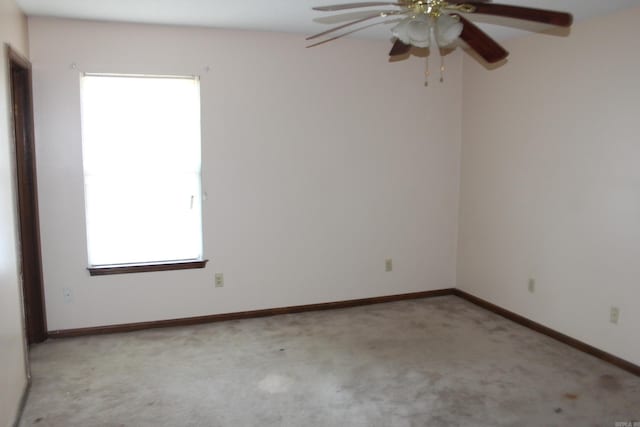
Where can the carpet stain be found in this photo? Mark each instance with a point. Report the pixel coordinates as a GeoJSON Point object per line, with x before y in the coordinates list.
{"type": "Point", "coordinates": [571, 396]}
{"type": "Point", "coordinates": [274, 383]}
{"type": "Point", "coordinates": [609, 383]}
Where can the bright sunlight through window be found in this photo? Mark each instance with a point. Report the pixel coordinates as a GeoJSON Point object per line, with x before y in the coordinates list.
{"type": "Point", "coordinates": [141, 153]}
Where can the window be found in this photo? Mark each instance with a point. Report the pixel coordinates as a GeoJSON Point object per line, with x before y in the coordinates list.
{"type": "Point", "coordinates": [141, 156]}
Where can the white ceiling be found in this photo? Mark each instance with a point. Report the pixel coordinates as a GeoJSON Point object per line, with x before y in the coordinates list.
{"type": "Point", "coordinates": [293, 16]}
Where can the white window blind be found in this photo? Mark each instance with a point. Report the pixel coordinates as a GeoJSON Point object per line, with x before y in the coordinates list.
{"type": "Point", "coordinates": [141, 154]}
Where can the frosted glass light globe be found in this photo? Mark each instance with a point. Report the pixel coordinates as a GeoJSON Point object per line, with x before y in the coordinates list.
{"type": "Point", "coordinates": [447, 30]}
{"type": "Point", "coordinates": [414, 30]}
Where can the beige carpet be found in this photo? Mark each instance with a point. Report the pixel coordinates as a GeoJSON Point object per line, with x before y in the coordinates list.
{"type": "Point", "coordinates": [432, 362]}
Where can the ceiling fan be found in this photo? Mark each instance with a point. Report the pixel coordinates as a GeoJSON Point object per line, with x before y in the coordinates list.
{"type": "Point", "coordinates": [439, 23]}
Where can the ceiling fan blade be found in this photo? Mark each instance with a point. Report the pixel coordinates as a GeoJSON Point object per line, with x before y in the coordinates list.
{"type": "Point", "coordinates": [339, 18]}
{"type": "Point", "coordinates": [479, 41]}
{"type": "Point", "coordinates": [357, 21]}
{"type": "Point", "coordinates": [355, 5]}
{"type": "Point", "coordinates": [399, 48]}
{"type": "Point", "coordinates": [561, 19]}
{"type": "Point", "coordinates": [351, 31]}
{"type": "Point", "coordinates": [332, 38]}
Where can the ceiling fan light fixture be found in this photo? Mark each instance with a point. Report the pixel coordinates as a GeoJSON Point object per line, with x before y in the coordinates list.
{"type": "Point", "coordinates": [440, 23]}
{"type": "Point", "coordinates": [447, 30]}
{"type": "Point", "coordinates": [414, 30]}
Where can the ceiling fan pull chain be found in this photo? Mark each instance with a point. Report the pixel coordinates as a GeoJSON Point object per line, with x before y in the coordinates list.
{"type": "Point", "coordinates": [426, 73]}
{"type": "Point", "coordinates": [441, 69]}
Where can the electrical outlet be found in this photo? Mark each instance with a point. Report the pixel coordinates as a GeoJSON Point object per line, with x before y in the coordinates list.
{"type": "Point", "coordinates": [532, 285]}
{"type": "Point", "coordinates": [219, 280]}
{"type": "Point", "coordinates": [67, 295]}
{"type": "Point", "coordinates": [388, 265]}
{"type": "Point", "coordinates": [614, 315]}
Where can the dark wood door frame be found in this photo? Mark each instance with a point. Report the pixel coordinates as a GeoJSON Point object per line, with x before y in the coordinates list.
{"type": "Point", "coordinates": [30, 253]}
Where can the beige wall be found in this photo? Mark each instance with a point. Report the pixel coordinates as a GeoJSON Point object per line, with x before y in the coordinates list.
{"type": "Point", "coordinates": [550, 185]}
{"type": "Point", "coordinates": [318, 164]}
{"type": "Point", "coordinates": [13, 30]}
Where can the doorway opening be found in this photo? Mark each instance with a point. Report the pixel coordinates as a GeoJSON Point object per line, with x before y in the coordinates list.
{"type": "Point", "coordinates": [30, 254]}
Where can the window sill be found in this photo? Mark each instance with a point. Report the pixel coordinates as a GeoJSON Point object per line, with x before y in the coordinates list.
{"type": "Point", "coordinates": [145, 268]}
